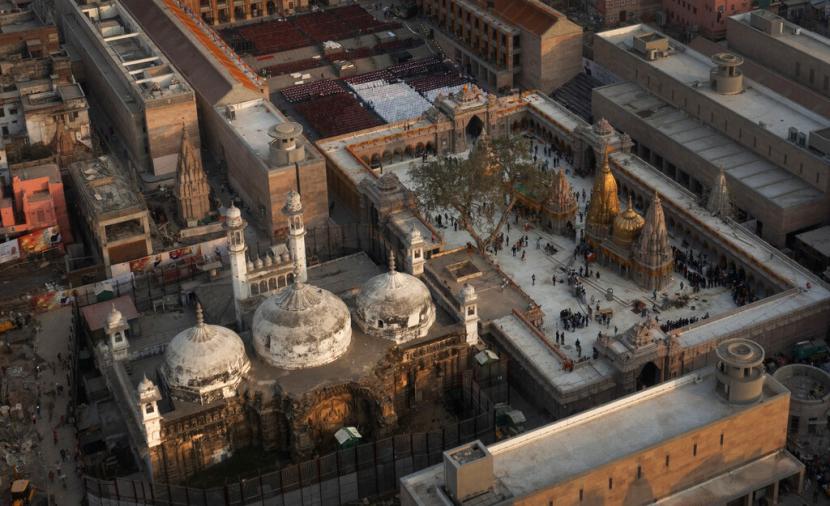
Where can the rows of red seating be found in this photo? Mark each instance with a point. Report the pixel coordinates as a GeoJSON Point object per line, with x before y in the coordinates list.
{"type": "Point", "coordinates": [294, 66]}
{"type": "Point", "coordinates": [322, 88]}
{"type": "Point", "coordinates": [340, 23]}
{"type": "Point", "coordinates": [430, 64]}
{"type": "Point", "coordinates": [336, 115]}
{"type": "Point", "coordinates": [431, 82]}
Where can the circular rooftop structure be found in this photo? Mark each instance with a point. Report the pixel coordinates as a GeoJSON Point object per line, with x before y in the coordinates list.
{"type": "Point", "coordinates": [287, 130]}
{"type": "Point", "coordinates": [205, 362]}
{"type": "Point", "coordinates": [302, 326]}
{"type": "Point", "coordinates": [395, 306]}
{"type": "Point", "coordinates": [727, 59]}
{"type": "Point", "coordinates": [806, 383]}
{"type": "Point", "coordinates": [740, 353]}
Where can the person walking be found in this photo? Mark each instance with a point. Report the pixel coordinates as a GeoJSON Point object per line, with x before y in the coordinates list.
{"type": "Point", "coordinates": [532, 281]}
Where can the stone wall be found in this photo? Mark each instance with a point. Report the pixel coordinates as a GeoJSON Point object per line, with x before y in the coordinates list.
{"type": "Point", "coordinates": [676, 463]}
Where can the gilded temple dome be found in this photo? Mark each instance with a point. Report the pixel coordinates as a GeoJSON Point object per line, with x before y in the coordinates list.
{"type": "Point", "coordinates": [395, 305]}
{"type": "Point", "coordinates": [627, 225]}
{"type": "Point", "coordinates": [302, 326]}
{"type": "Point", "coordinates": [205, 362]}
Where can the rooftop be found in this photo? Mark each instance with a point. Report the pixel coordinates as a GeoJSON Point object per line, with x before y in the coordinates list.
{"type": "Point", "coordinates": [755, 173]}
{"type": "Point", "coordinates": [135, 56]}
{"type": "Point", "coordinates": [805, 41]}
{"type": "Point", "coordinates": [818, 239]}
{"type": "Point", "coordinates": [756, 103]}
{"type": "Point", "coordinates": [564, 449]}
{"type": "Point", "coordinates": [252, 120]}
{"type": "Point", "coordinates": [531, 15]}
{"type": "Point", "coordinates": [105, 187]}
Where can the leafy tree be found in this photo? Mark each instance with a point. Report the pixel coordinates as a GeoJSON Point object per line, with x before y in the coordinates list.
{"type": "Point", "coordinates": [484, 188]}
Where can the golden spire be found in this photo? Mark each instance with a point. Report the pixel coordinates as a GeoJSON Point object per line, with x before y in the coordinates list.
{"type": "Point", "coordinates": [604, 201]}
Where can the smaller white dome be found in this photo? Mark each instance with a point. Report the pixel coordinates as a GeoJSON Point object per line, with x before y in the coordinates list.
{"type": "Point", "coordinates": [146, 385]}
{"type": "Point", "coordinates": [258, 263]}
{"type": "Point", "coordinates": [395, 305]}
{"type": "Point", "coordinates": [115, 318]}
{"type": "Point", "coordinates": [293, 203]}
{"type": "Point", "coordinates": [468, 293]}
{"type": "Point", "coordinates": [205, 362]}
{"type": "Point", "coordinates": [233, 212]}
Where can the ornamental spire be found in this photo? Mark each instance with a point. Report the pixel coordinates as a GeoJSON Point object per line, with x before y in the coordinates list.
{"type": "Point", "coordinates": [391, 261]}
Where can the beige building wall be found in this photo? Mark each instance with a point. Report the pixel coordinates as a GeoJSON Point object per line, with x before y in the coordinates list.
{"type": "Point", "coordinates": [808, 166]}
{"type": "Point", "coordinates": [560, 56]}
{"type": "Point", "coordinates": [801, 66]}
{"type": "Point", "coordinates": [678, 463]}
{"type": "Point", "coordinates": [164, 120]}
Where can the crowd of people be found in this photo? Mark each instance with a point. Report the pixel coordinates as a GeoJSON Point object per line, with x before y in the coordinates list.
{"type": "Point", "coordinates": [701, 273]}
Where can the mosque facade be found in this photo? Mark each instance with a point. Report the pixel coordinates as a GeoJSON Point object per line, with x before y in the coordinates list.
{"type": "Point", "coordinates": [308, 362]}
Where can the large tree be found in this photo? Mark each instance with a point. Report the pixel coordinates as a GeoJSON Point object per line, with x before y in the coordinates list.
{"type": "Point", "coordinates": [483, 188]}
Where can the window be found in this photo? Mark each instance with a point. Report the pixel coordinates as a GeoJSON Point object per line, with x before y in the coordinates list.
{"type": "Point", "coordinates": [380, 324]}
{"type": "Point", "coordinates": [694, 450]}
{"type": "Point", "coordinates": [581, 495]}
{"type": "Point", "coordinates": [148, 408]}
{"type": "Point", "coordinates": [639, 472]}
{"type": "Point", "coordinates": [2, 112]}
{"type": "Point", "coordinates": [812, 75]}
{"type": "Point", "coordinates": [610, 483]}
{"type": "Point", "coordinates": [797, 69]}
{"type": "Point", "coordinates": [471, 310]}
{"type": "Point", "coordinates": [667, 461]}
{"type": "Point", "coordinates": [721, 438]}
{"type": "Point", "coordinates": [13, 110]}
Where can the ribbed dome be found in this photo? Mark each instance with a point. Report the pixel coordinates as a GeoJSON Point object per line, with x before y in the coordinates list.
{"type": "Point", "coordinates": [395, 305]}
{"type": "Point", "coordinates": [301, 326]}
{"type": "Point", "coordinates": [202, 359]}
{"type": "Point", "coordinates": [627, 226]}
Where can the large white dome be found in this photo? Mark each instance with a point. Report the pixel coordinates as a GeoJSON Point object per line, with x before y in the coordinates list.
{"type": "Point", "coordinates": [395, 305]}
{"type": "Point", "coordinates": [205, 362]}
{"type": "Point", "coordinates": [302, 326]}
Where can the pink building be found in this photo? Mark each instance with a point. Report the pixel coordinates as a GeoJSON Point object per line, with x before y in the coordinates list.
{"type": "Point", "coordinates": [704, 17]}
{"type": "Point", "coordinates": [36, 201]}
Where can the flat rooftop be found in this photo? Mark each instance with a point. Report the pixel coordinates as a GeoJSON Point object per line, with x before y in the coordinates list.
{"type": "Point", "coordinates": [757, 103]}
{"type": "Point", "coordinates": [135, 56]}
{"type": "Point", "coordinates": [775, 184]}
{"type": "Point", "coordinates": [252, 120]}
{"type": "Point", "coordinates": [105, 187]}
{"type": "Point", "coordinates": [818, 239]}
{"type": "Point", "coordinates": [807, 42]}
{"type": "Point", "coordinates": [562, 450]}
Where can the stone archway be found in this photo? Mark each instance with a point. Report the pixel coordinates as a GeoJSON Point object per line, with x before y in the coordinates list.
{"type": "Point", "coordinates": [649, 376]}
{"type": "Point", "coordinates": [474, 127]}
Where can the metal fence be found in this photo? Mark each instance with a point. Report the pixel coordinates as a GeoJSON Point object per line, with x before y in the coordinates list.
{"type": "Point", "coordinates": [342, 477]}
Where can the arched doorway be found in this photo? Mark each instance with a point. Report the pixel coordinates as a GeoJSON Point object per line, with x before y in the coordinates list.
{"type": "Point", "coordinates": [589, 160]}
{"type": "Point", "coordinates": [475, 127]}
{"type": "Point", "coordinates": [649, 376]}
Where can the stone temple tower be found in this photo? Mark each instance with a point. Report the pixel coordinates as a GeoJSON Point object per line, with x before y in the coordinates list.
{"type": "Point", "coordinates": [653, 259]}
{"type": "Point", "coordinates": [293, 210]}
{"type": "Point", "coordinates": [604, 206]}
{"type": "Point", "coordinates": [235, 228]}
{"type": "Point", "coordinates": [192, 189]}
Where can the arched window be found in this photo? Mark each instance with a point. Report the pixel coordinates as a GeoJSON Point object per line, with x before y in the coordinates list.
{"type": "Point", "coordinates": [272, 284]}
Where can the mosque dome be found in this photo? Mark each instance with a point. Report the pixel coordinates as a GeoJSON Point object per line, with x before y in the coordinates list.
{"type": "Point", "coordinates": [115, 318]}
{"type": "Point", "coordinates": [627, 226]}
{"type": "Point", "coordinates": [205, 362]}
{"type": "Point", "coordinates": [301, 326]}
{"type": "Point", "coordinates": [395, 305]}
{"type": "Point", "coordinates": [293, 204]}
{"type": "Point", "coordinates": [233, 212]}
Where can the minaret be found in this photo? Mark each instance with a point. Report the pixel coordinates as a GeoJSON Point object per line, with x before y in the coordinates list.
{"type": "Point", "coordinates": [293, 210]}
{"type": "Point", "coordinates": [148, 397]}
{"type": "Point", "coordinates": [235, 227]}
{"type": "Point", "coordinates": [192, 190]}
{"type": "Point", "coordinates": [719, 202]}
{"type": "Point", "coordinates": [652, 253]}
{"type": "Point", "coordinates": [116, 329]}
{"type": "Point", "coordinates": [415, 252]}
{"type": "Point", "coordinates": [469, 312]}
{"type": "Point", "coordinates": [604, 206]}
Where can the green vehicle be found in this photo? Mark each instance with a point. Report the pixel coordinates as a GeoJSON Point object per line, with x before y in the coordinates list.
{"type": "Point", "coordinates": [811, 351]}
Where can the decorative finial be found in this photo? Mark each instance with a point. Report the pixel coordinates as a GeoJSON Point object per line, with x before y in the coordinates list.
{"type": "Point", "coordinates": [391, 261]}
{"type": "Point", "coordinates": [200, 315]}
{"type": "Point", "coordinates": [630, 205]}
{"type": "Point", "coordinates": [297, 270]}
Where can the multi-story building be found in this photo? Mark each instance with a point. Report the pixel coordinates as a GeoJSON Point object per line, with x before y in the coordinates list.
{"type": "Point", "coordinates": [22, 32]}
{"type": "Point", "coordinates": [508, 43]}
{"type": "Point", "coordinates": [615, 12]}
{"type": "Point", "coordinates": [145, 101]}
{"type": "Point", "coordinates": [215, 12]}
{"type": "Point", "coordinates": [36, 201]}
{"type": "Point", "coordinates": [693, 116]}
{"type": "Point", "coordinates": [797, 54]}
{"type": "Point", "coordinates": [704, 17]}
{"type": "Point", "coordinates": [114, 211]}
{"type": "Point", "coordinates": [715, 437]}
{"type": "Point", "coordinates": [265, 154]}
